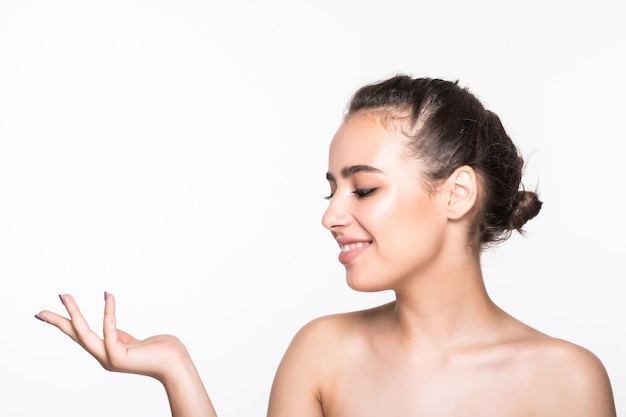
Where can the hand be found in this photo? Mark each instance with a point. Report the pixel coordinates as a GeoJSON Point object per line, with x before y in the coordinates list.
{"type": "Point", "coordinates": [156, 356]}
{"type": "Point", "coordinates": [163, 357]}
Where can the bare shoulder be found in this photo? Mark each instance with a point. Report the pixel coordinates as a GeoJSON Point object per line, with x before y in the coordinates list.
{"type": "Point", "coordinates": [561, 369]}
{"type": "Point", "coordinates": [576, 365]}
{"type": "Point", "coordinates": [331, 332]}
{"type": "Point", "coordinates": [310, 359]}
{"type": "Point", "coordinates": [320, 343]}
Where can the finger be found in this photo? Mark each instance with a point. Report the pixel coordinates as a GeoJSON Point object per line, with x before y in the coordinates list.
{"type": "Point", "coordinates": [84, 336]}
{"type": "Point", "coordinates": [78, 320]}
{"type": "Point", "coordinates": [109, 324]}
{"type": "Point", "coordinates": [59, 322]}
{"type": "Point", "coordinates": [115, 350]}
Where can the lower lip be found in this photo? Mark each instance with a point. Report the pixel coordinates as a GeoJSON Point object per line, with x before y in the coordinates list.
{"type": "Point", "coordinates": [347, 257]}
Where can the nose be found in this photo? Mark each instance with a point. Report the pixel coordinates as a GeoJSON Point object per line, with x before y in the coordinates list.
{"type": "Point", "coordinates": [336, 215]}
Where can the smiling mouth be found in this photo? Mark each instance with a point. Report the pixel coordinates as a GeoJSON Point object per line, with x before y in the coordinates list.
{"type": "Point", "coordinates": [352, 246]}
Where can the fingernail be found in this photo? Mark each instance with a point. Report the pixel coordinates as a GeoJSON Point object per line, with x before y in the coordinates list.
{"type": "Point", "coordinates": [105, 295]}
{"type": "Point", "coordinates": [61, 298]}
{"type": "Point", "coordinates": [40, 317]}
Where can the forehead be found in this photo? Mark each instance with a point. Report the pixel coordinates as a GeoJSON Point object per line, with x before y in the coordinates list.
{"type": "Point", "coordinates": [368, 138]}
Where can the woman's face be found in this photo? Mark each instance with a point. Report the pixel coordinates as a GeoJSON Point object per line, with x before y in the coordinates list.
{"type": "Point", "coordinates": [388, 225]}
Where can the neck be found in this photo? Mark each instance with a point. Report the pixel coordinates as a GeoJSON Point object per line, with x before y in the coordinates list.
{"type": "Point", "coordinates": [446, 306]}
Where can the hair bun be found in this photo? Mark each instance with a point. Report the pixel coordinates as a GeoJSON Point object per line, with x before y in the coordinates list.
{"type": "Point", "coordinates": [527, 206]}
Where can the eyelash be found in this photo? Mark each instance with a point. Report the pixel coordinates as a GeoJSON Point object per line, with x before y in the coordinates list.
{"type": "Point", "coordinates": [359, 192]}
{"type": "Point", "coordinates": [363, 192]}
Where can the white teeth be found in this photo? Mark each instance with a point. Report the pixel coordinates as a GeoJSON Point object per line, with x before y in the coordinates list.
{"type": "Point", "coordinates": [351, 246]}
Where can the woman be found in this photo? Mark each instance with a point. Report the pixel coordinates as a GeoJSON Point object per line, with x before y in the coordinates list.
{"type": "Point", "coordinates": [422, 179]}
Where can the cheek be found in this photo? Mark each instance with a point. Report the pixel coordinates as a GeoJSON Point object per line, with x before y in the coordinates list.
{"type": "Point", "coordinates": [383, 215]}
{"type": "Point", "coordinates": [407, 226]}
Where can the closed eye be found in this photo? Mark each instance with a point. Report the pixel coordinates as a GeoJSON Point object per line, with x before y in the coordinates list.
{"type": "Point", "coordinates": [364, 192]}
{"type": "Point", "coordinates": [359, 192]}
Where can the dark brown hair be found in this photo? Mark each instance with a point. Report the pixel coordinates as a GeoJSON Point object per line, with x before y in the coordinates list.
{"type": "Point", "coordinates": [448, 127]}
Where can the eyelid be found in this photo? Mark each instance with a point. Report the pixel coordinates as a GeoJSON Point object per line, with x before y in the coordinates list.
{"type": "Point", "coordinates": [364, 192]}
{"type": "Point", "coordinates": [359, 192]}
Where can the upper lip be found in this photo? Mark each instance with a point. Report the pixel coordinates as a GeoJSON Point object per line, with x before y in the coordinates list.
{"type": "Point", "coordinates": [343, 240]}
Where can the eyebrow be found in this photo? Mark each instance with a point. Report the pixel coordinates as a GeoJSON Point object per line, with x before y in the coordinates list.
{"type": "Point", "coordinates": [347, 172]}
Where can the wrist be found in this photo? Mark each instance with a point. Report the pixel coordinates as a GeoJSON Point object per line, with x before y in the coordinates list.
{"type": "Point", "coordinates": [185, 391]}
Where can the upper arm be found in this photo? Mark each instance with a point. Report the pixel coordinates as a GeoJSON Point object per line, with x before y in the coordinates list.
{"type": "Point", "coordinates": [295, 391]}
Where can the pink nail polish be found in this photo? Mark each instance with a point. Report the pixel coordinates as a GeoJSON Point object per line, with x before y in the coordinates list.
{"type": "Point", "coordinates": [105, 295]}
{"type": "Point", "coordinates": [61, 298]}
{"type": "Point", "coordinates": [40, 317]}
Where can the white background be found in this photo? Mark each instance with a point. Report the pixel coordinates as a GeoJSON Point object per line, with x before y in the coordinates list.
{"type": "Point", "coordinates": [173, 153]}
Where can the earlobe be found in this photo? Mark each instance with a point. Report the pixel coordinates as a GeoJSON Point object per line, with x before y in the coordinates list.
{"type": "Point", "coordinates": [463, 186]}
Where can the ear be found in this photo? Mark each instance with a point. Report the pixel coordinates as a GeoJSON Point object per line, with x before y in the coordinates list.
{"type": "Point", "coordinates": [461, 191]}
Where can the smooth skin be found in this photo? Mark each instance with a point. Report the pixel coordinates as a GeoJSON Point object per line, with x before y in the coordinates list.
{"type": "Point", "coordinates": [162, 357]}
{"type": "Point", "coordinates": [441, 349]}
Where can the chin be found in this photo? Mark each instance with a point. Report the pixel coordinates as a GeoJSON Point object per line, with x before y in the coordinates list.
{"type": "Point", "coordinates": [364, 282]}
